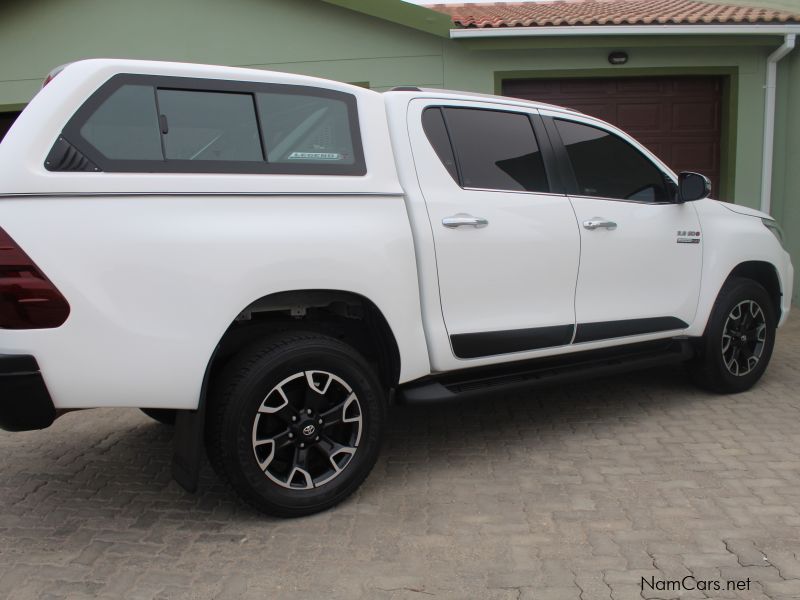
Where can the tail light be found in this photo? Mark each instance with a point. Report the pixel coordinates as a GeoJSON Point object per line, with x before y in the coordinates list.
{"type": "Point", "coordinates": [28, 299]}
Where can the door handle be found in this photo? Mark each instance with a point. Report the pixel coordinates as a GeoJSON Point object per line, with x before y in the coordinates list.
{"type": "Point", "coordinates": [464, 220]}
{"type": "Point", "coordinates": [599, 222]}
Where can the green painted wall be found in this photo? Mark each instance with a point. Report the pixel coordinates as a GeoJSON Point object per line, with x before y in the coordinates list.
{"type": "Point", "coordinates": [324, 39]}
{"type": "Point", "coordinates": [302, 36]}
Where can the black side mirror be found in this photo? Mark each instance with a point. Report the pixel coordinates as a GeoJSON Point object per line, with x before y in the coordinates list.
{"type": "Point", "coordinates": [693, 186]}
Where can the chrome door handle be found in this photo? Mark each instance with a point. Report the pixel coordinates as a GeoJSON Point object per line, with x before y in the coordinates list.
{"type": "Point", "coordinates": [464, 220]}
{"type": "Point", "coordinates": [598, 222]}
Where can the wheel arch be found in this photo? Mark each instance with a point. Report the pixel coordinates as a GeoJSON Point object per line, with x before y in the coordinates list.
{"type": "Point", "coordinates": [348, 316]}
{"type": "Point", "coordinates": [765, 274]}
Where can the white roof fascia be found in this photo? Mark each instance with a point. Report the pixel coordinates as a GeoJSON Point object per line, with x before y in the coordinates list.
{"type": "Point", "coordinates": [599, 30]}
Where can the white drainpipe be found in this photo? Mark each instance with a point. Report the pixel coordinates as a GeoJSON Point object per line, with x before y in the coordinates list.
{"type": "Point", "coordinates": [769, 119]}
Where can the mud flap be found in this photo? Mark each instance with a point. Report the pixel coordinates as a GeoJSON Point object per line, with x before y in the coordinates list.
{"type": "Point", "coordinates": [188, 447]}
{"type": "Point", "coordinates": [189, 442]}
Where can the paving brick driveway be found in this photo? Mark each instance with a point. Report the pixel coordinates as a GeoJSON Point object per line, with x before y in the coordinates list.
{"type": "Point", "coordinates": [573, 492]}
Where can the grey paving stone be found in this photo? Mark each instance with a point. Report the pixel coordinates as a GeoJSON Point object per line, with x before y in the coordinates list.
{"type": "Point", "coordinates": [570, 492]}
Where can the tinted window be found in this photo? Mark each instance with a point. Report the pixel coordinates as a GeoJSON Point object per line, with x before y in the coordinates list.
{"type": "Point", "coordinates": [607, 166]}
{"type": "Point", "coordinates": [496, 150]}
{"type": "Point", "coordinates": [160, 124]}
{"type": "Point", "coordinates": [433, 123]}
{"type": "Point", "coordinates": [305, 129]}
{"type": "Point", "coordinates": [125, 126]}
{"type": "Point", "coordinates": [209, 126]}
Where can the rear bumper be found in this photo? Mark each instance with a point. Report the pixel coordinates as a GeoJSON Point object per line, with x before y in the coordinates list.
{"type": "Point", "coordinates": [25, 403]}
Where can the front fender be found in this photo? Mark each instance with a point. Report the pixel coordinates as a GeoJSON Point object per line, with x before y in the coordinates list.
{"type": "Point", "coordinates": [731, 238]}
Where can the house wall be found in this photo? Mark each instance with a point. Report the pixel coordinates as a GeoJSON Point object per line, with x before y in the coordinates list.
{"type": "Point", "coordinates": [317, 38]}
{"type": "Point", "coordinates": [301, 36]}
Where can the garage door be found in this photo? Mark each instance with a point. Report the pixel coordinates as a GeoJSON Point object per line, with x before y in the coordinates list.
{"type": "Point", "coordinates": [678, 118]}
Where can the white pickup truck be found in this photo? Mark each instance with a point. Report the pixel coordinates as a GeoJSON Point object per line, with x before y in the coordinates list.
{"type": "Point", "coordinates": [267, 259]}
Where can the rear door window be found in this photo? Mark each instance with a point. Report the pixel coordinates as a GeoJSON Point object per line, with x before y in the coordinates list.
{"type": "Point", "coordinates": [436, 131]}
{"type": "Point", "coordinates": [496, 150]}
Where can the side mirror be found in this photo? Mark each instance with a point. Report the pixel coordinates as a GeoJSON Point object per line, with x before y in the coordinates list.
{"type": "Point", "coordinates": [693, 186]}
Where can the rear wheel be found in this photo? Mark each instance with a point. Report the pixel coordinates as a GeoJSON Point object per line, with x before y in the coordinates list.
{"type": "Point", "coordinates": [295, 423]}
{"type": "Point", "coordinates": [739, 339]}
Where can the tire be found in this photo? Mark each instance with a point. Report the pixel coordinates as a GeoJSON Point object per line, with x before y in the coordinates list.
{"type": "Point", "coordinates": [292, 468]}
{"type": "Point", "coordinates": [718, 366]}
{"type": "Point", "coordinates": [165, 416]}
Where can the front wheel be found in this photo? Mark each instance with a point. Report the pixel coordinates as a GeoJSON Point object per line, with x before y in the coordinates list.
{"type": "Point", "coordinates": [295, 423]}
{"type": "Point", "coordinates": [737, 345]}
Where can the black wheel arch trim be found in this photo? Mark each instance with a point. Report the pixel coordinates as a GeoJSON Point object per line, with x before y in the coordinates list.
{"type": "Point", "coordinates": [763, 273]}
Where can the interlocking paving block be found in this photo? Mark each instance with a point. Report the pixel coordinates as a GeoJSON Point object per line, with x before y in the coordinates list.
{"type": "Point", "coordinates": [569, 492]}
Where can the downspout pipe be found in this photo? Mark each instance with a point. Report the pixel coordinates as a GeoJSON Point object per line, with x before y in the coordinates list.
{"type": "Point", "coordinates": [769, 119]}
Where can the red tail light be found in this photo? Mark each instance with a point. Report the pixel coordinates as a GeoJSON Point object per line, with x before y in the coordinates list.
{"type": "Point", "coordinates": [28, 299]}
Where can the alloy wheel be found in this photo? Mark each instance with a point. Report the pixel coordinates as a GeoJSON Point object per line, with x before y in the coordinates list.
{"type": "Point", "coordinates": [307, 430]}
{"type": "Point", "coordinates": [743, 337]}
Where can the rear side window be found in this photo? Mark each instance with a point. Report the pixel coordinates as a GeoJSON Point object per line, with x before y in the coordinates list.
{"type": "Point", "coordinates": [209, 126]}
{"type": "Point", "coordinates": [496, 150]}
{"type": "Point", "coordinates": [153, 124]}
{"type": "Point", "coordinates": [305, 129]}
{"type": "Point", "coordinates": [607, 166]}
{"type": "Point", "coordinates": [126, 125]}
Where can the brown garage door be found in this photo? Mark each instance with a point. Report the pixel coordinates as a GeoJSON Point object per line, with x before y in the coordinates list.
{"type": "Point", "coordinates": [678, 118]}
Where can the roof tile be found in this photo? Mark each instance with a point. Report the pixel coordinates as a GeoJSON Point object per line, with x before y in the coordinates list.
{"type": "Point", "coordinates": [609, 12]}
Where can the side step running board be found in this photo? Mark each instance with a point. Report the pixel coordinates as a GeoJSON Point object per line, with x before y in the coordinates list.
{"type": "Point", "coordinates": [469, 383]}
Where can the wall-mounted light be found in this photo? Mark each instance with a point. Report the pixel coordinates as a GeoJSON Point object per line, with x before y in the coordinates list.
{"type": "Point", "coordinates": [618, 58]}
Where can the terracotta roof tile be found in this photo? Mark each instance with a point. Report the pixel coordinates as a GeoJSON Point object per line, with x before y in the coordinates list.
{"type": "Point", "coordinates": [609, 12]}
